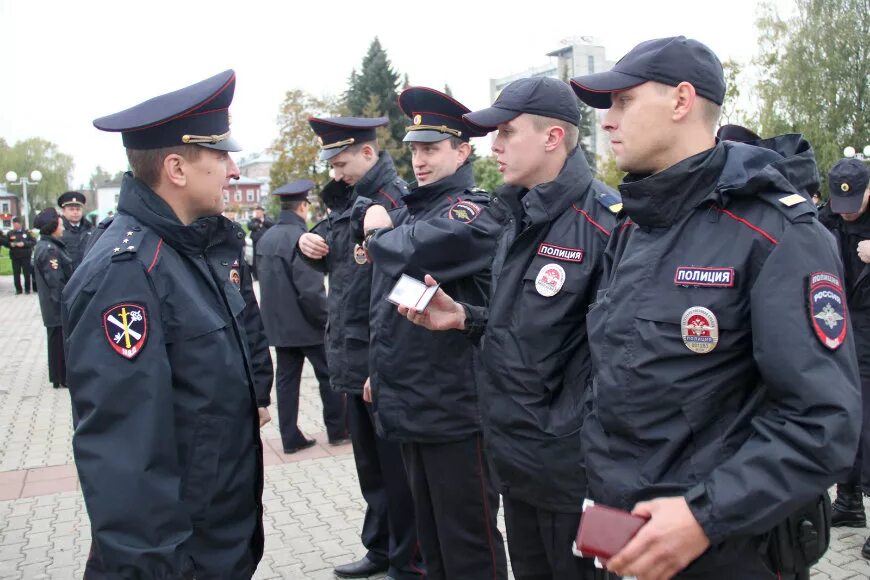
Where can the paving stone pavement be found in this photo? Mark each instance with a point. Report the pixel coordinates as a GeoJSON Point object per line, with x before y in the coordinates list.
{"type": "Point", "coordinates": [313, 507]}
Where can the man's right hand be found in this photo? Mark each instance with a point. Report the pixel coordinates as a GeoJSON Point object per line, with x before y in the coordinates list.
{"type": "Point", "coordinates": [367, 391]}
{"type": "Point", "coordinates": [442, 313]}
{"type": "Point", "coordinates": [313, 246]}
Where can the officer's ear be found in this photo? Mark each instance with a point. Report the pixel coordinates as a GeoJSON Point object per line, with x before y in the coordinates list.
{"type": "Point", "coordinates": [684, 101]}
{"type": "Point", "coordinates": [555, 136]}
{"type": "Point", "coordinates": [464, 151]}
{"type": "Point", "coordinates": [174, 170]}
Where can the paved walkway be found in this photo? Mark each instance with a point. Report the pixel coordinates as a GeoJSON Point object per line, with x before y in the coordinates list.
{"type": "Point", "coordinates": [313, 508]}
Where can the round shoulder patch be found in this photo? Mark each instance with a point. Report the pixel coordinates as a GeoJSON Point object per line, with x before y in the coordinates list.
{"type": "Point", "coordinates": [550, 280]}
{"type": "Point", "coordinates": [464, 211]}
{"type": "Point", "coordinates": [828, 309]}
{"type": "Point", "coordinates": [700, 329]}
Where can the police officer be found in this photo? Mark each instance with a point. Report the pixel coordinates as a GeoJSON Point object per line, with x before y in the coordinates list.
{"type": "Point", "coordinates": [161, 372]}
{"type": "Point", "coordinates": [293, 299]}
{"type": "Point", "coordinates": [848, 219]}
{"type": "Point", "coordinates": [77, 231]}
{"type": "Point", "coordinates": [20, 243]}
{"type": "Point", "coordinates": [350, 146]}
{"type": "Point", "coordinates": [535, 352]}
{"type": "Point", "coordinates": [52, 267]}
{"type": "Point", "coordinates": [257, 226]}
{"type": "Point", "coordinates": [725, 394]}
{"type": "Point", "coordinates": [423, 388]}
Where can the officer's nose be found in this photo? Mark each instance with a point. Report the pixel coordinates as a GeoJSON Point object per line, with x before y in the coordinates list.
{"type": "Point", "coordinates": [608, 122]}
{"type": "Point", "coordinates": [232, 169]}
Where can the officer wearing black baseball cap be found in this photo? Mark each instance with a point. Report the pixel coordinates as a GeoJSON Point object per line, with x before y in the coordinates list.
{"type": "Point", "coordinates": [723, 355]}
{"type": "Point", "coordinates": [847, 217]}
{"type": "Point", "coordinates": [535, 355]}
{"type": "Point", "coordinates": [167, 358]}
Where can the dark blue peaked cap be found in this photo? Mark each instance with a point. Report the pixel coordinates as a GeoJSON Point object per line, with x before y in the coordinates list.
{"type": "Point", "coordinates": [198, 114]}
{"type": "Point", "coordinates": [295, 190]}
{"type": "Point", "coordinates": [338, 133]}
{"type": "Point", "coordinates": [435, 116]}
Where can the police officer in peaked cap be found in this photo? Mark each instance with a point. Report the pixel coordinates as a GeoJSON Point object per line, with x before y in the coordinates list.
{"type": "Point", "coordinates": [77, 230]}
{"type": "Point", "coordinates": [725, 394]}
{"type": "Point", "coordinates": [167, 359]}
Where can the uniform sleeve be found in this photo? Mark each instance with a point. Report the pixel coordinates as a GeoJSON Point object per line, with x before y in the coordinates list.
{"type": "Point", "coordinates": [476, 318]}
{"type": "Point", "coordinates": [258, 343]}
{"type": "Point", "coordinates": [322, 265]}
{"type": "Point", "coordinates": [29, 240]}
{"type": "Point", "coordinates": [124, 443]}
{"type": "Point", "coordinates": [51, 265]}
{"type": "Point", "coordinates": [357, 217]}
{"type": "Point", "coordinates": [447, 249]}
{"type": "Point", "coordinates": [805, 435]}
{"type": "Point", "coordinates": [310, 290]}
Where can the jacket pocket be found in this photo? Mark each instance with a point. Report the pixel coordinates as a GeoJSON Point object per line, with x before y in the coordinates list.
{"type": "Point", "coordinates": [200, 479]}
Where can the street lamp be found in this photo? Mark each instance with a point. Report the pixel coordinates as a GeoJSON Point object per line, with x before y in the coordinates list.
{"type": "Point", "coordinates": [864, 155]}
{"type": "Point", "coordinates": [35, 177]}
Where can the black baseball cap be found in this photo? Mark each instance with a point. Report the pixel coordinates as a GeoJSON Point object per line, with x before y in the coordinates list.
{"type": "Point", "coordinates": [669, 61]}
{"type": "Point", "coordinates": [847, 182]}
{"type": "Point", "coordinates": [544, 96]}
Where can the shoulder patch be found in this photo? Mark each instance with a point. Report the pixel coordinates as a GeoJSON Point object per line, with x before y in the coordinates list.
{"type": "Point", "coordinates": [464, 211]}
{"type": "Point", "coordinates": [127, 246]}
{"type": "Point", "coordinates": [827, 309]}
{"type": "Point", "coordinates": [126, 328]}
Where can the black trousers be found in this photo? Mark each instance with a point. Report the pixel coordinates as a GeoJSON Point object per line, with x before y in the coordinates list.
{"type": "Point", "coordinates": [288, 378]}
{"type": "Point", "coordinates": [56, 360]}
{"type": "Point", "coordinates": [539, 543]}
{"type": "Point", "coordinates": [388, 531]}
{"type": "Point", "coordinates": [456, 505]}
{"type": "Point", "coordinates": [860, 474]}
{"type": "Point", "coordinates": [19, 266]}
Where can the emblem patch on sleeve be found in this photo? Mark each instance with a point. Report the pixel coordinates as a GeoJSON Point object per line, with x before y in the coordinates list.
{"type": "Point", "coordinates": [53, 263]}
{"type": "Point", "coordinates": [709, 277]}
{"type": "Point", "coordinates": [126, 327]}
{"type": "Point", "coordinates": [463, 211]}
{"type": "Point", "coordinates": [560, 253]}
{"type": "Point", "coordinates": [828, 309]}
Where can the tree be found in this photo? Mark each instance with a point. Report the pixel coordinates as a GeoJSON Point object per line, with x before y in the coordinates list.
{"type": "Point", "coordinates": [40, 154]}
{"type": "Point", "coordinates": [607, 171]}
{"type": "Point", "coordinates": [815, 75]}
{"type": "Point", "coordinates": [296, 149]}
{"type": "Point", "coordinates": [733, 107]}
{"type": "Point", "coordinates": [100, 176]}
{"type": "Point", "coordinates": [373, 92]}
{"type": "Point", "coordinates": [486, 174]}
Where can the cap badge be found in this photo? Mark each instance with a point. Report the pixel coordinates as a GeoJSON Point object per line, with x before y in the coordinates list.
{"type": "Point", "coordinates": [700, 329]}
{"type": "Point", "coordinates": [418, 119]}
{"type": "Point", "coordinates": [844, 187]}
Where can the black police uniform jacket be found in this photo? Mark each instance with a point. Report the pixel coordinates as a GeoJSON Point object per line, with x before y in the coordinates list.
{"type": "Point", "coordinates": [722, 243]}
{"type": "Point", "coordinates": [76, 239]}
{"type": "Point", "coordinates": [20, 252]}
{"type": "Point", "coordinates": [350, 276]}
{"type": "Point", "coordinates": [535, 352]}
{"type": "Point", "coordinates": [424, 388]}
{"type": "Point", "coordinates": [258, 227]}
{"type": "Point", "coordinates": [52, 268]}
{"type": "Point", "coordinates": [292, 293]}
{"type": "Point", "coordinates": [162, 378]}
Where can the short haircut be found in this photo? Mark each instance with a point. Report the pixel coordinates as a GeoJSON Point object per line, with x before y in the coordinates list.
{"type": "Point", "coordinates": [49, 228]}
{"type": "Point", "coordinates": [710, 111]}
{"type": "Point", "coordinates": [147, 164]}
{"type": "Point", "coordinates": [572, 132]}
{"type": "Point", "coordinates": [357, 147]}
{"type": "Point", "coordinates": [292, 205]}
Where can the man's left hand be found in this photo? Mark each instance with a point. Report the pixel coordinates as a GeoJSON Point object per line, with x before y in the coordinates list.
{"type": "Point", "coordinates": [376, 218]}
{"type": "Point", "coordinates": [864, 251]}
{"type": "Point", "coordinates": [669, 541]}
{"type": "Point", "coordinates": [264, 415]}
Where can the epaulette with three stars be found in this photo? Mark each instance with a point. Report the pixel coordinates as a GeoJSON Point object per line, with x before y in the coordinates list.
{"type": "Point", "coordinates": [127, 247]}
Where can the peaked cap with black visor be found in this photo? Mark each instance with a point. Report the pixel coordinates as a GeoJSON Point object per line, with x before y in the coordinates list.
{"type": "Point", "coordinates": [435, 116]}
{"type": "Point", "coordinates": [338, 133]}
{"type": "Point", "coordinates": [195, 115]}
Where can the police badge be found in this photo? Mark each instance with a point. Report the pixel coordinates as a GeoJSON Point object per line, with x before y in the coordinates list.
{"type": "Point", "coordinates": [126, 328]}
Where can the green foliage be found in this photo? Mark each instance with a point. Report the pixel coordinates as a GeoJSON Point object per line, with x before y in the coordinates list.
{"type": "Point", "coordinates": [372, 92]}
{"type": "Point", "coordinates": [486, 174]}
{"type": "Point", "coordinates": [100, 176]}
{"type": "Point", "coordinates": [5, 263]}
{"type": "Point", "coordinates": [816, 75]}
{"type": "Point", "coordinates": [733, 109]}
{"type": "Point", "coordinates": [37, 154]}
{"type": "Point", "coordinates": [607, 172]}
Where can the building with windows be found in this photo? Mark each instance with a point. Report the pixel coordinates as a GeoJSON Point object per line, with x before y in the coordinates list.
{"type": "Point", "coordinates": [244, 194]}
{"type": "Point", "coordinates": [578, 55]}
{"type": "Point", "coordinates": [10, 206]}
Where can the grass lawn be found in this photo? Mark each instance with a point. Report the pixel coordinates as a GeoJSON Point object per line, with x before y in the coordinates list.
{"type": "Point", "coordinates": [5, 262]}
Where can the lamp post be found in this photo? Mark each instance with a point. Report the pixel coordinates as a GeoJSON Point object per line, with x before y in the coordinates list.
{"type": "Point", "coordinates": [863, 156]}
{"type": "Point", "coordinates": [35, 177]}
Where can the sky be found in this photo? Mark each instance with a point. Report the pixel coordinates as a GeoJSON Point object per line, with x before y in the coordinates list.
{"type": "Point", "coordinates": [64, 64]}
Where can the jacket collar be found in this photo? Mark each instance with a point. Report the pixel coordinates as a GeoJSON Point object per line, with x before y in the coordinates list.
{"type": "Point", "coordinates": [139, 201]}
{"type": "Point", "coordinates": [660, 200]}
{"type": "Point", "coordinates": [460, 181]}
{"type": "Point", "coordinates": [382, 173]}
{"type": "Point", "coordinates": [290, 217]}
{"type": "Point", "coordinates": [53, 240]}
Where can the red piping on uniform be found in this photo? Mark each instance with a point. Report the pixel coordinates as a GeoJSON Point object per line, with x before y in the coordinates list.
{"type": "Point", "coordinates": [628, 223]}
{"type": "Point", "coordinates": [156, 254]}
{"type": "Point", "coordinates": [387, 195]}
{"type": "Point", "coordinates": [450, 199]}
{"type": "Point", "coordinates": [591, 221]}
{"type": "Point", "coordinates": [770, 238]}
{"type": "Point", "coordinates": [190, 110]}
{"type": "Point", "coordinates": [486, 513]}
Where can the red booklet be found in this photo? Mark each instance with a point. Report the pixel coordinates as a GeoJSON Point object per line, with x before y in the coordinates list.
{"type": "Point", "coordinates": [604, 531]}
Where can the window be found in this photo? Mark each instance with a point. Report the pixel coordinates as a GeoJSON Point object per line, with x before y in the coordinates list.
{"type": "Point", "coordinates": [250, 195]}
{"type": "Point", "coordinates": [238, 195]}
{"type": "Point", "coordinates": [4, 207]}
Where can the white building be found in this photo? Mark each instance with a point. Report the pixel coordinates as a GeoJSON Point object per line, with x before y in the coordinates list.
{"type": "Point", "coordinates": [107, 195]}
{"type": "Point", "coordinates": [258, 166]}
{"type": "Point", "coordinates": [579, 55]}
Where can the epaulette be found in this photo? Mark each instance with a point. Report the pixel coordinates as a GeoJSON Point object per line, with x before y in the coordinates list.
{"type": "Point", "coordinates": [609, 199]}
{"type": "Point", "coordinates": [793, 206]}
{"type": "Point", "coordinates": [478, 191]}
{"type": "Point", "coordinates": [126, 247]}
